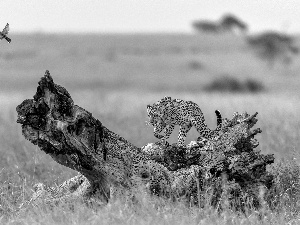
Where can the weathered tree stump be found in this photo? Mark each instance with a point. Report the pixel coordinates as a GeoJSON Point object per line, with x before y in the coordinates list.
{"type": "Point", "coordinates": [227, 164]}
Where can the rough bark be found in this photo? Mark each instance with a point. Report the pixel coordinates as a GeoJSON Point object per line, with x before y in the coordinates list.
{"type": "Point", "coordinates": [228, 166]}
{"type": "Point", "coordinates": [74, 138]}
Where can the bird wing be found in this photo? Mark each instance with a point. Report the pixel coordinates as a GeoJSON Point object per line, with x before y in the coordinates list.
{"type": "Point", "coordinates": [5, 30]}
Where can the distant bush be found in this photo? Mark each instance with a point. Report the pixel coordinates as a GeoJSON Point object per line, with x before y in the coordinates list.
{"type": "Point", "coordinates": [230, 22]}
{"type": "Point", "coordinates": [273, 46]}
{"type": "Point", "coordinates": [253, 85]}
{"type": "Point", "coordinates": [227, 23]}
{"type": "Point", "coordinates": [206, 26]}
{"type": "Point", "coordinates": [231, 84]}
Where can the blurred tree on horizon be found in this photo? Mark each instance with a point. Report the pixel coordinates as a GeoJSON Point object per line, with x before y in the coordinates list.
{"type": "Point", "coordinates": [227, 23]}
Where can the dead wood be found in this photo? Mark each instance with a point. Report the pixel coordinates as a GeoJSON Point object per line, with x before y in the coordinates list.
{"type": "Point", "coordinates": [74, 138]}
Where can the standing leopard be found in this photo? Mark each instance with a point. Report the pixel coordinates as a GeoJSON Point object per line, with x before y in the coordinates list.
{"type": "Point", "coordinates": [168, 112]}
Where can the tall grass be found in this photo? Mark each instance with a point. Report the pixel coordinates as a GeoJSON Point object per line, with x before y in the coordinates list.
{"type": "Point", "coordinates": [153, 210]}
{"type": "Point", "coordinates": [123, 112]}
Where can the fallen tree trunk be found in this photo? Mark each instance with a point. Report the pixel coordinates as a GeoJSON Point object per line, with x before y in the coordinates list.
{"type": "Point", "coordinates": [74, 138]}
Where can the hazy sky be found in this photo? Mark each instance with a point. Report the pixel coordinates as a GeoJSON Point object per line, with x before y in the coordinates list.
{"type": "Point", "coordinates": [144, 15]}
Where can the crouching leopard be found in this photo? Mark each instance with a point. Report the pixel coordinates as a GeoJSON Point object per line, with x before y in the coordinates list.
{"type": "Point", "coordinates": [168, 112]}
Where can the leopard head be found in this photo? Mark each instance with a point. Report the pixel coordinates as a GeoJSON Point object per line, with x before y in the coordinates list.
{"type": "Point", "coordinates": [154, 114]}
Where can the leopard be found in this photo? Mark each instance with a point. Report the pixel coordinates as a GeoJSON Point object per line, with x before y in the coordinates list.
{"type": "Point", "coordinates": [166, 113]}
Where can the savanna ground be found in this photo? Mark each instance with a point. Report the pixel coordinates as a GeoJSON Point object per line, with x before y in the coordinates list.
{"type": "Point", "coordinates": [115, 77]}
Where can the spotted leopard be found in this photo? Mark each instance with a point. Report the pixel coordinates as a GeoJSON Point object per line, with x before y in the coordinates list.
{"type": "Point", "coordinates": [168, 112]}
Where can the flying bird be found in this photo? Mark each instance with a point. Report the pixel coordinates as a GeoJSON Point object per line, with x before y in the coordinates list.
{"type": "Point", "coordinates": [4, 33]}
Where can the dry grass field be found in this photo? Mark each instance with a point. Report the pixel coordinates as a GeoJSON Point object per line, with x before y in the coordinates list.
{"type": "Point", "coordinates": [115, 77]}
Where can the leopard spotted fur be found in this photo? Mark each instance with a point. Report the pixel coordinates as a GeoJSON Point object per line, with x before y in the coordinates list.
{"type": "Point", "coordinates": [168, 112]}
